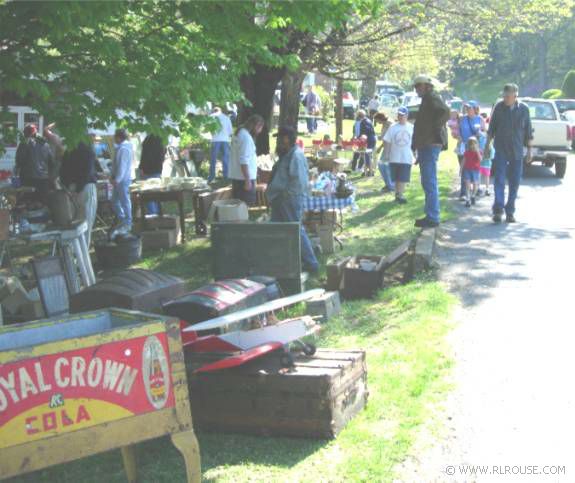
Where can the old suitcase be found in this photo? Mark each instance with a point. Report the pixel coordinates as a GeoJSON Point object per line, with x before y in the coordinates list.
{"type": "Point", "coordinates": [216, 299]}
{"type": "Point", "coordinates": [316, 399]}
{"type": "Point", "coordinates": [135, 289]}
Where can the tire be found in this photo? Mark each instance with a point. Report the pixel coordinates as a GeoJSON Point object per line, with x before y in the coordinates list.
{"type": "Point", "coordinates": [560, 168]}
{"type": "Point", "coordinates": [309, 349]}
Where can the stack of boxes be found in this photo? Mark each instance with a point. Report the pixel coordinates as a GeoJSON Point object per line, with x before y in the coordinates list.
{"type": "Point", "coordinates": [159, 232]}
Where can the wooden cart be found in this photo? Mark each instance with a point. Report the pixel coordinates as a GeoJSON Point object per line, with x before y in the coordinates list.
{"type": "Point", "coordinates": [92, 382]}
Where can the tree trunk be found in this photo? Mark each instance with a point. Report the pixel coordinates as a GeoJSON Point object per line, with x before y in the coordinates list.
{"type": "Point", "coordinates": [259, 88]}
{"type": "Point", "coordinates": [290, 100]}
{"type": "Point", "coordinates": [339, 109]}
{"type": "Point", "coordinates": [542, 55]}
{"type": "Point", "coordinates": [367, 89]}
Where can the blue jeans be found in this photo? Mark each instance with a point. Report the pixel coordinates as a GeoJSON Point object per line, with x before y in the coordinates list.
{"type": "Point", "coordinates": [311, 124]}
{"type": "Point", "coordinates": [386, 174]}
{"type": "Point", "coordinates": [504, 171]}
{"type": "Point", "coordinates": [285, 209]}
{"type": "Point", "coordinates": [224, 148]}
{"type": "Point", "coordinates": [152, 207]}
{"type": "Point", "coordinates": [122, 203]}
{"type": "Point", "coordinates": [427, 157]}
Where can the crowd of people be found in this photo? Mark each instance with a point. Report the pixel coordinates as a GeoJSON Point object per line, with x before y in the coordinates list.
{"type": "Point", "coordinates": [486, 152]}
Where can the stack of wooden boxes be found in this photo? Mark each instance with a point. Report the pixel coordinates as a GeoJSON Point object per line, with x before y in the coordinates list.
{"type": "Point", "coordinates": [321, 225]}
{"type": "Point", "coordinates": [159, 232]}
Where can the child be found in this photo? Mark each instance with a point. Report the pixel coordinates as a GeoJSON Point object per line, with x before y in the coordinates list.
{"type": "Point", "coordinates": [453, 123]}
{"type": "Point", "coordinates": [397, 141]}
{"type": "Point", "coordinates": [485, 171]}
{"type": "Point", "coordinates": [383, 163]}
{"type": "Point", "coordinates": [471, 166]}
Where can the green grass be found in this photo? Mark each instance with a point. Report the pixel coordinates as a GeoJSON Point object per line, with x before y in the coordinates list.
{"type": "Point", "coordinates": [402, 330]}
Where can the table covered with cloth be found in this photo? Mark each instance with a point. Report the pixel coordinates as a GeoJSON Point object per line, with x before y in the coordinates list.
{"type": "Point", "coordinates": [323, 203]}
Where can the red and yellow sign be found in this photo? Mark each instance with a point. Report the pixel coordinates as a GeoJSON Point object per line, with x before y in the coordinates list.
{"type": "Point", "coordinates": [58, 393]}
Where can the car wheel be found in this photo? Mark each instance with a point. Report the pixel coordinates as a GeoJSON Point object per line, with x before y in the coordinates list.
{"type": "Point", "coordinates": [560, 168]}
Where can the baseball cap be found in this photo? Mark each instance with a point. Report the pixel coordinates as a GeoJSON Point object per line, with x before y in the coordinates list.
{"type": "Point", "coordinates": [471, 104]}
{"type": "Point", "coordinates": [402, 111]}
{"type": "Point", "coordinates": [422, 79]}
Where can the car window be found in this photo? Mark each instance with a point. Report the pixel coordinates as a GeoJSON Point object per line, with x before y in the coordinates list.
{"type": "Point", "coordinates": [541, 111]}
{"type": "Point", "coordinates": [563, 106]}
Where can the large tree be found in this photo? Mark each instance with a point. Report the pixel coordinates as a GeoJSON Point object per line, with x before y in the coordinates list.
{"type": "Point", "coordinates": [138, 64]}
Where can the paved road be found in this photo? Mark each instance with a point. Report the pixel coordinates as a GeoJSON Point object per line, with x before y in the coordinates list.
{"type": "Point", "coordinates": [514, 402]}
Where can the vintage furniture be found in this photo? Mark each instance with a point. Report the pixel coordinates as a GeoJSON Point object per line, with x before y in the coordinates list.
{"type": "Point", "coordinates": [178, 196]}
{"type": "Point", "coordinates": [89, 383]}
{"type": "Point", "coordinates": [315, 399]}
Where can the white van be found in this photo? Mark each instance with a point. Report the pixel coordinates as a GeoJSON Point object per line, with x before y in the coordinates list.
{"type": "Point", "coordinates": [19, 117]}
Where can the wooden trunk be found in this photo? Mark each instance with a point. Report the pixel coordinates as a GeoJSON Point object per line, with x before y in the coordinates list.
{"type": "Point", "coordinates": [315, 399]}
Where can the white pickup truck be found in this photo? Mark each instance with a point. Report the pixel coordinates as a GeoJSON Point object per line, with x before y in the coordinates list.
{"type": "Point", "coordinates": [552, 135]}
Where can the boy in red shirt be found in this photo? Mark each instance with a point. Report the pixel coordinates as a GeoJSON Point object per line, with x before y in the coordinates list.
{"type": "Point", "coordinates": [471, 164]}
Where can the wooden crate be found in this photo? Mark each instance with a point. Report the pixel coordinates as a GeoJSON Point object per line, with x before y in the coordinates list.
{"type": "Point", "coordinates": [358, 283]}
{"type": "Point", "coordinates": [316, 399]}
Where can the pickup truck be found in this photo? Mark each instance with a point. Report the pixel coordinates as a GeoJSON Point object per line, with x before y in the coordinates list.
{"type": "Point", "coordinates": [552, 135]}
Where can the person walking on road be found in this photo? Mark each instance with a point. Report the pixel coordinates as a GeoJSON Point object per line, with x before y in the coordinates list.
{"type": "Point", "coordinates": [429, 138]}
{"type": "Point", "coordinates": [470, 125]}
{"type": "Point", "coordinates": [220, 144]}
{"type": "Point", "coordinates": [511, 132]}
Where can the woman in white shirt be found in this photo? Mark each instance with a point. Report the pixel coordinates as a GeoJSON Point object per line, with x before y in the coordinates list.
{"type": "Point", "coordinates": [243, 164]}
{"type": "Point", "coordinates": [398, 152]}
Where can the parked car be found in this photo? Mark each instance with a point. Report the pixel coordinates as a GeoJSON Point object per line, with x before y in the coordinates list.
{"type": "Point", "coordinates": [566, 108]}
{"type": "Point", "coordinates": [411, 99]}
{"type": "Point", "coordinates": [552, 134]}
{"type": "Point", "coordinates": [386, 87]}
{"type": "Point", "coordinates": [350, 106]}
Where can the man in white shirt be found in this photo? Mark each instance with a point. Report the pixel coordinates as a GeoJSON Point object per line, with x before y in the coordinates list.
{"type": "Point", "coordinates": [121, 179]}
{"type": "Point", "coordinates": [373, 106]}
{"type": "Point", "coordinates": [397, 146]}
{"type": "Point", "coordinates": [243, 165]}
{"type": "Point", "coordinates": [220, 144]}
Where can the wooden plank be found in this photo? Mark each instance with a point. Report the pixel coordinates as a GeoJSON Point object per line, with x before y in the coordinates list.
{"type": "Point", "coordinates": [397, 254]}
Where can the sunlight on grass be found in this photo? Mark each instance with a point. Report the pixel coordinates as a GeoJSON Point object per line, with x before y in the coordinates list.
{"type": "Point", "coordinates": [402, 331]}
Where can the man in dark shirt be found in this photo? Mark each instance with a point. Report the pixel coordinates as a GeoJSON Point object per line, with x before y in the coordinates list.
{"type": "Point", "coordinates": [510, 129]}
{"type": "Point", "coordinates": [151, 164]}
{"type": "Point", "coordinates": [35, 163]}
{"type": "Point", "coordinates": [429, 138]}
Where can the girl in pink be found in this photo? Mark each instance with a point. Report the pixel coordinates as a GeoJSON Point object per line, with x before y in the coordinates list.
{"type": "Point", "coordinates": [453, 124]}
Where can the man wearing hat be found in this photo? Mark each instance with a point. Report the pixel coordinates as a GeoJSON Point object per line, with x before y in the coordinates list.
{"type": "Point", "coordinates": [510, 130]}
{"type": "Point", "coordinates": [429, 138]}
{"type": "Point", "coordinates": [35, 162]}
{"type": "Point", "coordinates": [287, 189]}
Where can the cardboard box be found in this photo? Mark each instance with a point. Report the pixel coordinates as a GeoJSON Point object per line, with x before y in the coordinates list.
{"type": "Point", "coordinates": [359, 282]}
{"type": "Point", "coordinates": [159, 239]}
